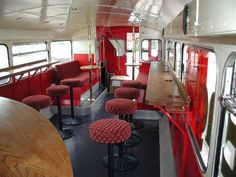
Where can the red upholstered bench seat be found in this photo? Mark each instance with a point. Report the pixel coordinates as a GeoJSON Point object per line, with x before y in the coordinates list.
{"type": "Point", "coordinates": [142, 78]}
{"type": "Point", "coordinates": [72, 70]}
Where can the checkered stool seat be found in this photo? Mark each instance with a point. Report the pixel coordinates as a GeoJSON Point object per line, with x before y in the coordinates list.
{"type": "Point", "coordinates": [57, 90]}
{"type": "Point", "coordinates": [127, 92]}
{"type": "Point", "coordinates": [72, 82]}
{"type": "Point", "coordinates": [131, 83]}
{"type": "Point", "coordinates": [110, 131]}
{"type": "Point", "coordinates": [121, 106]}
{"type": "Point", "coordinates": [37, 101]}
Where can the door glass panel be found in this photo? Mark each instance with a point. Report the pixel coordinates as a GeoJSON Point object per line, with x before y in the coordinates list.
{"type": "Point", "coordinates": [200, 83]}
{"type": "Point", "coordinates": [227, 163]}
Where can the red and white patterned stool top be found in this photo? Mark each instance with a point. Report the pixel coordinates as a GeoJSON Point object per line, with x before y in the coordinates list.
{"type": "Point", "coordinates": [37, 101]}
{"type": "Point", "coordinates": [131, 83]}
{"type": "Point", "coordinates": [57, 90]}
{"type": "Point", "coordinates": [72, 82]}
{"type": "Point", "coordinates": [121, 106]}
{"type": "Point", "coordinates": [110, 131]}
{"type": "Point", "coordinates": [127, 92]}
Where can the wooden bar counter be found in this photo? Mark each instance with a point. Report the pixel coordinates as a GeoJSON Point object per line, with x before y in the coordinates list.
{"type": "Point", "coordinates": [163, 89]}
{"type": "Point", "coordinates": [29, 144]}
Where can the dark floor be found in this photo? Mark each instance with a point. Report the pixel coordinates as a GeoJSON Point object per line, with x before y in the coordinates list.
{"type": "Point", "coordinates": [86, 155]}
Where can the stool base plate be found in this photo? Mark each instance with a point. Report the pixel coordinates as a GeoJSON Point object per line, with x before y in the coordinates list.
{"type": "Point", "coordinates": [136, 124]}
{"type": "Point", "coordinates": [67, 133]}
{"type": "Point", "coordinates": [132, 141]}
{"type": "Point", "coordinates": [124, 163]}
{"type": "Point", "coordinates": [69, 121]}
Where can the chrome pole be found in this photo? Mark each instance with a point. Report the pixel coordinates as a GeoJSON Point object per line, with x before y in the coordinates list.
{"type": "Point", "coordinates": [90, 63]}
{"type": "Point", "coordinates": [133, 51]}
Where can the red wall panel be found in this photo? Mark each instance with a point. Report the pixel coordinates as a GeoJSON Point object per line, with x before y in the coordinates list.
{"type": "Point", "coordinates": [115, 65]}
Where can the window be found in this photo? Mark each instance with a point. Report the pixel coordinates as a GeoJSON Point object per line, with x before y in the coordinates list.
{"type": "Point", "coordinates": [200, 83]}
{"type": "Point", "coordinates": [150, 49]}
{"type": "Point", "coordinates": [4, 63]}
{"type": "Point", "coordinates": [178, 60]}
{"type": "Point", "coordinates": [27, 53]}
{"type": "Point", "coordinates": [4, 57]}
{"type": "Point", "coordinates": [61, 50]}
{"type": "Point", "coordinates": [170, 53]}
{"type": "Point", "coordinates": [130, 46]}
{"type": "Point", "coordinates": [227, 161]}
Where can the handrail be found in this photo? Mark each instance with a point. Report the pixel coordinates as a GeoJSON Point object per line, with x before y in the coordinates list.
{"type": "Point", "coordinates": [196, 150]}
{"type": "Point", "coordinates": [21, 70]}
{"type": "Point", "coordinates": [170, 119]}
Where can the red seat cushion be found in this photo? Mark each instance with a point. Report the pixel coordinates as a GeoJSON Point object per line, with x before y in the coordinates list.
{"type": "Point", "coordinates": [57, 90]}
{"type": "Point", "coordinates": [127, 92]}
{"type": "Point", "coordinates": [110, 131]}
{"type": "Point", "coordinates": [37, 101]}
{"type": "Point", "coordinates": [72, 82]}
{"type": "Point", "coordinates": [121, 106]}
{"type": "Point", "coordinates": [83, 76]}
{"type": "Point", "coordinates": [131, 83]}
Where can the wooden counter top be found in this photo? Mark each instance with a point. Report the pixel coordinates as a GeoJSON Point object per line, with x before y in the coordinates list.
{"type": "Point", "coordinates": [29, 143]}
{"type": "Point", "coordinates": [163, 89]}
{"type": "Point", "coordinates": [21, 70]}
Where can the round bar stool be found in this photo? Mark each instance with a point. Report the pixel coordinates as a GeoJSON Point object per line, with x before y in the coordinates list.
{"type": "Point", "coordinates": [131, 83]}
{"type": "Point", "coordinates": [110, 132]}
{"type": "Point", "coordinates": [37, 101]}
{"type": "Point", "coordinates": [73, 120]}
{"type": "Point", "coordinates": [129, 93]}
{"type": "Point", "coordinates": [124, 108]}
{"type": "Point", "coordinates": [58, 91]}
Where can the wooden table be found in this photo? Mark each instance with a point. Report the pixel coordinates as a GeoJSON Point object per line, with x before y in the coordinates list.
{"type": "Point", "coordinates": [29, 144]}
{"type": "Point", "coordinates": [90, 68]}
{"type": "Point", "coordinates": [163, 88]}
{"type": "Point", "coordinates": [115, 81]}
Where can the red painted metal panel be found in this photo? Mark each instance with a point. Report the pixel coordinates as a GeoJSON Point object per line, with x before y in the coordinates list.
{"type": "Point", "coordinates": [115, 64]}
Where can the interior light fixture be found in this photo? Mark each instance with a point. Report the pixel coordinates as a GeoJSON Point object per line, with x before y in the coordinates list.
{"type": "Point", "coordinates": [135, 18]}
{"type": "Point", "coordinates": [19, 18]}
{"type": "Point", "coordinates": [74, 8]}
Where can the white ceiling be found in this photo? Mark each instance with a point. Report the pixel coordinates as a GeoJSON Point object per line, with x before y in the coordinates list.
{"type": "Point", "coordinates": [71, 16]}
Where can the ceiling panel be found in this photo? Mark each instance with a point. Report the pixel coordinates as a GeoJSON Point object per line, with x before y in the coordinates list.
{"type": "Point", "coordinates": [69, 16]}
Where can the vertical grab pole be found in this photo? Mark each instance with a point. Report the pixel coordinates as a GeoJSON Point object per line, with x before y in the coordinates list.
{"type": "Point", "coordinates": [90, 62]}
{"type": "Point", "coordinates": [133, 51]}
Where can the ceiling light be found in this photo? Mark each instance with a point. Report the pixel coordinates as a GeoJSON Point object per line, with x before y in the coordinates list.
{"type": "Point", "coordinates": [74, 8]}
{"type": "Point", "coordinates": [19, 18]}
{"type": "Point", "coordinates": [135, 18]}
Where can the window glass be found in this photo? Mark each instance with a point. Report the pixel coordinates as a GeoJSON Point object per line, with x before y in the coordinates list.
{"type": "Point", "coordinates": [131, 46]}
{"type": "Point", "coordinates": [170, 54]}
{"type": "Point", "coordinates": [200, 83]}
{"type": "Point", "coordinates": [61, 50]}
{"type": "Point", "coordinates": [27, 53]}
{"type": "Point", "coordinates": [4, 63]}
{"type": "Point", "coordinates": [154, 48]}
{"type": "Point", "coordinates": [4, 57]}
{"type": "Point", "coordinates": [130, 40]}
{"type": "Point", "coordinates": [178, 60]}
{"type": "Point", "coordinates": [227, 162]}
{"type": "Point", "coordinates": [150, 49]}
